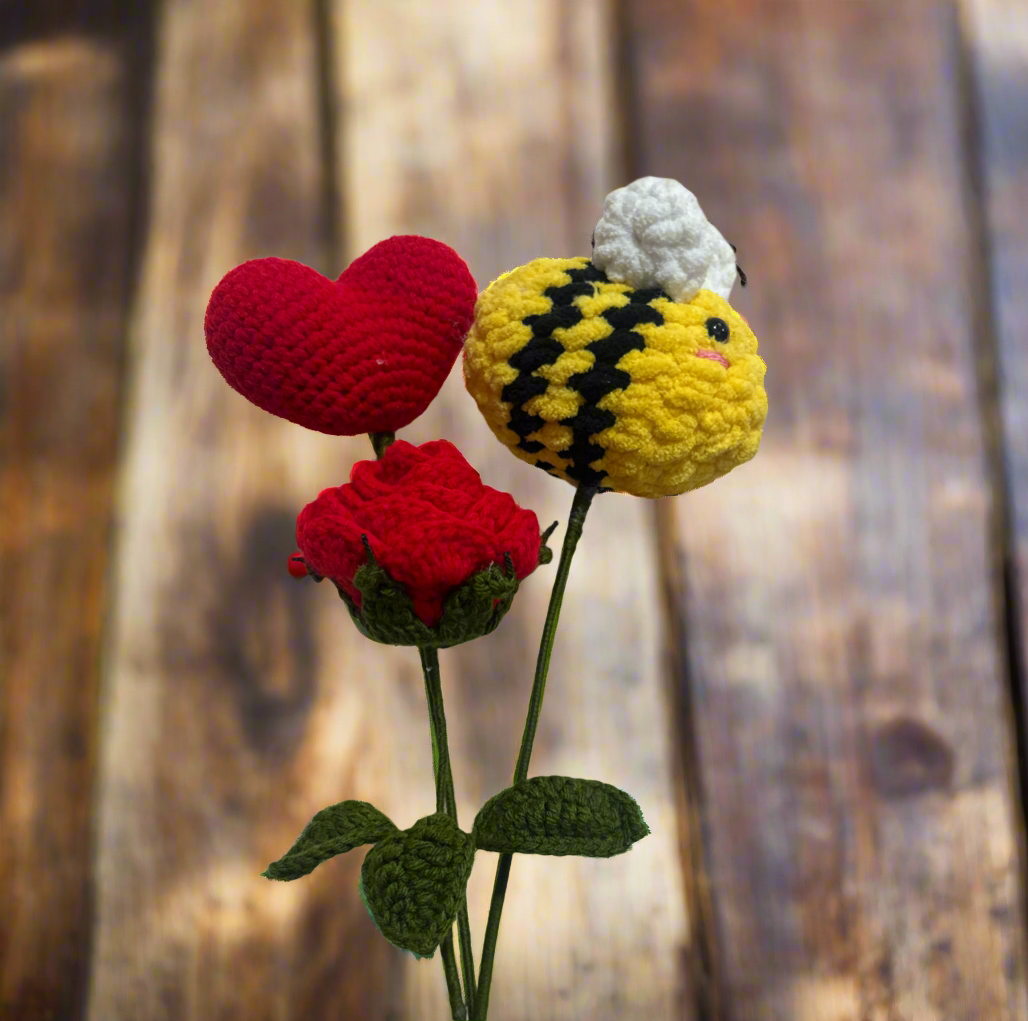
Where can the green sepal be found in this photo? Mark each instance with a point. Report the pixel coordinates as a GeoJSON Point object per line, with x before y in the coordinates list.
{"type": "Point", "coordinates": [545, 553]}
{"type": "Point", "coordinates": [413, 883]}
{"type": "Point", "coordinates": [559, 815]}
{"type": "Point", "coordinates": [334, 830]}
{"type": "Point", "coordinates": [470, 611]}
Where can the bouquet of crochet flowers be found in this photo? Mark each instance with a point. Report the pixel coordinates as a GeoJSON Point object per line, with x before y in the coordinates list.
{"type": "Point", "coordinates": [624, 372]}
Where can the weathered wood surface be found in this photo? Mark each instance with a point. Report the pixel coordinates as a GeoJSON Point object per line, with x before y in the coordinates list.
{"type": "Point", "coordinates": [997, 38]}
{"type": "Point", "coordinates": [862, 840]}
{"type": "Point", "coordinates": [238, 701]}
{"type": "Point", "coordinates": [66, 192]}
{"type": "Point", "coordinates": [849, 837]}
{"type": "Point", "coordinates": [491, 127]}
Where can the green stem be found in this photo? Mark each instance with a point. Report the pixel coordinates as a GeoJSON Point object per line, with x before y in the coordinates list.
{"type": "Point", "coordinates": [380, 441]}
{"type": "Point", "coordinates": [446, 802]}
{"type": "Point", "coordinates": [457, 1009]}
{"type": "Point", "coordinates": [579, 507]}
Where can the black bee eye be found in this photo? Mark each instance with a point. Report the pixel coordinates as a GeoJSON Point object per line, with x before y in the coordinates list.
{"type": "Point", "coordinates": [717, 328]}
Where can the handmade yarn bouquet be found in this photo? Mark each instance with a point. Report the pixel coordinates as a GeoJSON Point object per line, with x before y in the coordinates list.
{"type": "Point", "coordinates": [626, 372]}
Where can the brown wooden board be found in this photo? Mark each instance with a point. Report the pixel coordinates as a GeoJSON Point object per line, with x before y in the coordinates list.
{"type": "Point", "coordinates": [66, 204]}
{"type": "Point", "coordinates": [492, 127]}
{"type": "Point", "coordinates": [842, 674]}
{"type": "Point", "coordinates": [996, 34]}
{"type": "Point", "coordinates": [234, 702]}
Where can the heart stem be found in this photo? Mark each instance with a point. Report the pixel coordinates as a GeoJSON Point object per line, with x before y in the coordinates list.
{"type": "Point", "coordinates": [381, 441]}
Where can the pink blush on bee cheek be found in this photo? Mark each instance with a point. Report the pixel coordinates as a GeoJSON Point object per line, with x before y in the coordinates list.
{"type": "Point", "coordinates": [714, 356]}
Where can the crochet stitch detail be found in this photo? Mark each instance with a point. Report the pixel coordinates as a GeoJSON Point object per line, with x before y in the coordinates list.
{"type": "Point", "coordinates": [412, 883]}
{"type": "Point", "coordinates": [430, 521]}
{"type": "Point", "coordinates": [653, 233]}
{"type": "Point", "coordinates": [599, 383]}
{"type": "Point", "coordinates": [366, 353]}
{"type": "Point", "coordinates": [474, 609]}
{"type": "Point", "coordinates": [560, 815]}
{"type": "Point", "coordinates": [334, 830]}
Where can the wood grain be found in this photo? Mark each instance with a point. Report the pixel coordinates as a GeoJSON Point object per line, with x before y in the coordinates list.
{"type": "Point", "coordinates": [996, 32]}
{"type": "Point", "coordinates": [492, 127]}
{"type": "Point", "coordinates": [237, 700]}
{"type": "Point", "coordinates": [853, 843]}
{"type": "Point", "coordinates": [66, 196]}
{"type": "Point", "coordinates": [861, 833]}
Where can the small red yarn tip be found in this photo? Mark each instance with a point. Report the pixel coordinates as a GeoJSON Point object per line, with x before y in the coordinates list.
{"type": "Point", "coordinates": [430, 520]}
{"type": "Point", "coordinates": [365, 353]}
{"type": "Point", "coordinates": [297, 568]}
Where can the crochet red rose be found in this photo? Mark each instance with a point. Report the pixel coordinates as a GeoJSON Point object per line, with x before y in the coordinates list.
{"type": "Point", "coordinates": [421, 550]}
{"type": "Point", "coordinates": [362, 354]}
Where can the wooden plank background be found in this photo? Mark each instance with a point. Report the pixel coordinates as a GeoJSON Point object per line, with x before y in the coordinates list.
{"type": "Point", "coordinates": [847, 682]}
{"type": "Point", "coordinates": [810, 673]}
{"type": "Point", "coordinates": [72, 100]}
{"type": "Point", "coordinates": [996, 33]}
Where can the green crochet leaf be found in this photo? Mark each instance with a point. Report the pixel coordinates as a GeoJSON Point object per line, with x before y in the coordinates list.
{"type": "Point", "coordinates": [559, 815]}
{"type": "Point", "coordinates": [334, 830]}
{"type": "Point", "coordinates": [412, 883]}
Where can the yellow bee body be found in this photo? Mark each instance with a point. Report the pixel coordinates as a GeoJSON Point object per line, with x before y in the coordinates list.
{"type": "Point", "coordinates": [606, 385]}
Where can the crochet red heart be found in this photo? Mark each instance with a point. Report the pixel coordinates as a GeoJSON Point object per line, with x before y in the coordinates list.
{"type": "Point", "coordinates": [365, 353]}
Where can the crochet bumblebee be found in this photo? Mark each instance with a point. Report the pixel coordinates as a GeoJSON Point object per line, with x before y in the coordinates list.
{"type": "Point", "coordinates": [603, 383]}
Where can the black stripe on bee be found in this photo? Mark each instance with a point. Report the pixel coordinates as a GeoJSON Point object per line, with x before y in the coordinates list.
{"type": "Point", "coordinates": [602, 378]}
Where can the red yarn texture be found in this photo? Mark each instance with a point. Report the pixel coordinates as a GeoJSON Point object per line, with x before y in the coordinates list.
{"type": "Point", "coordinates": [366, 353]}
{"type": "Point", "coordinates": [429, 519]}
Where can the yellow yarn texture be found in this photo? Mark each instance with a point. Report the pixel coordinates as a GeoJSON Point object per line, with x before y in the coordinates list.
{"type": "Point", "coordinates": [598, 383]}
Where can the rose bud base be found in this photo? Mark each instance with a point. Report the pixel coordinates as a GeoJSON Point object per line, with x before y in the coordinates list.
{"type": "Point", "coordinates": [470, 611]}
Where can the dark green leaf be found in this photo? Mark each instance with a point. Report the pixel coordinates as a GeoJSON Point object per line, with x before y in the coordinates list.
{"type": "Point", "coordinates": [412, 883]}
{"type": "Point", "coordinates": [334, 830]}
{"type": "Point", "coordinates": [559, 815]}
